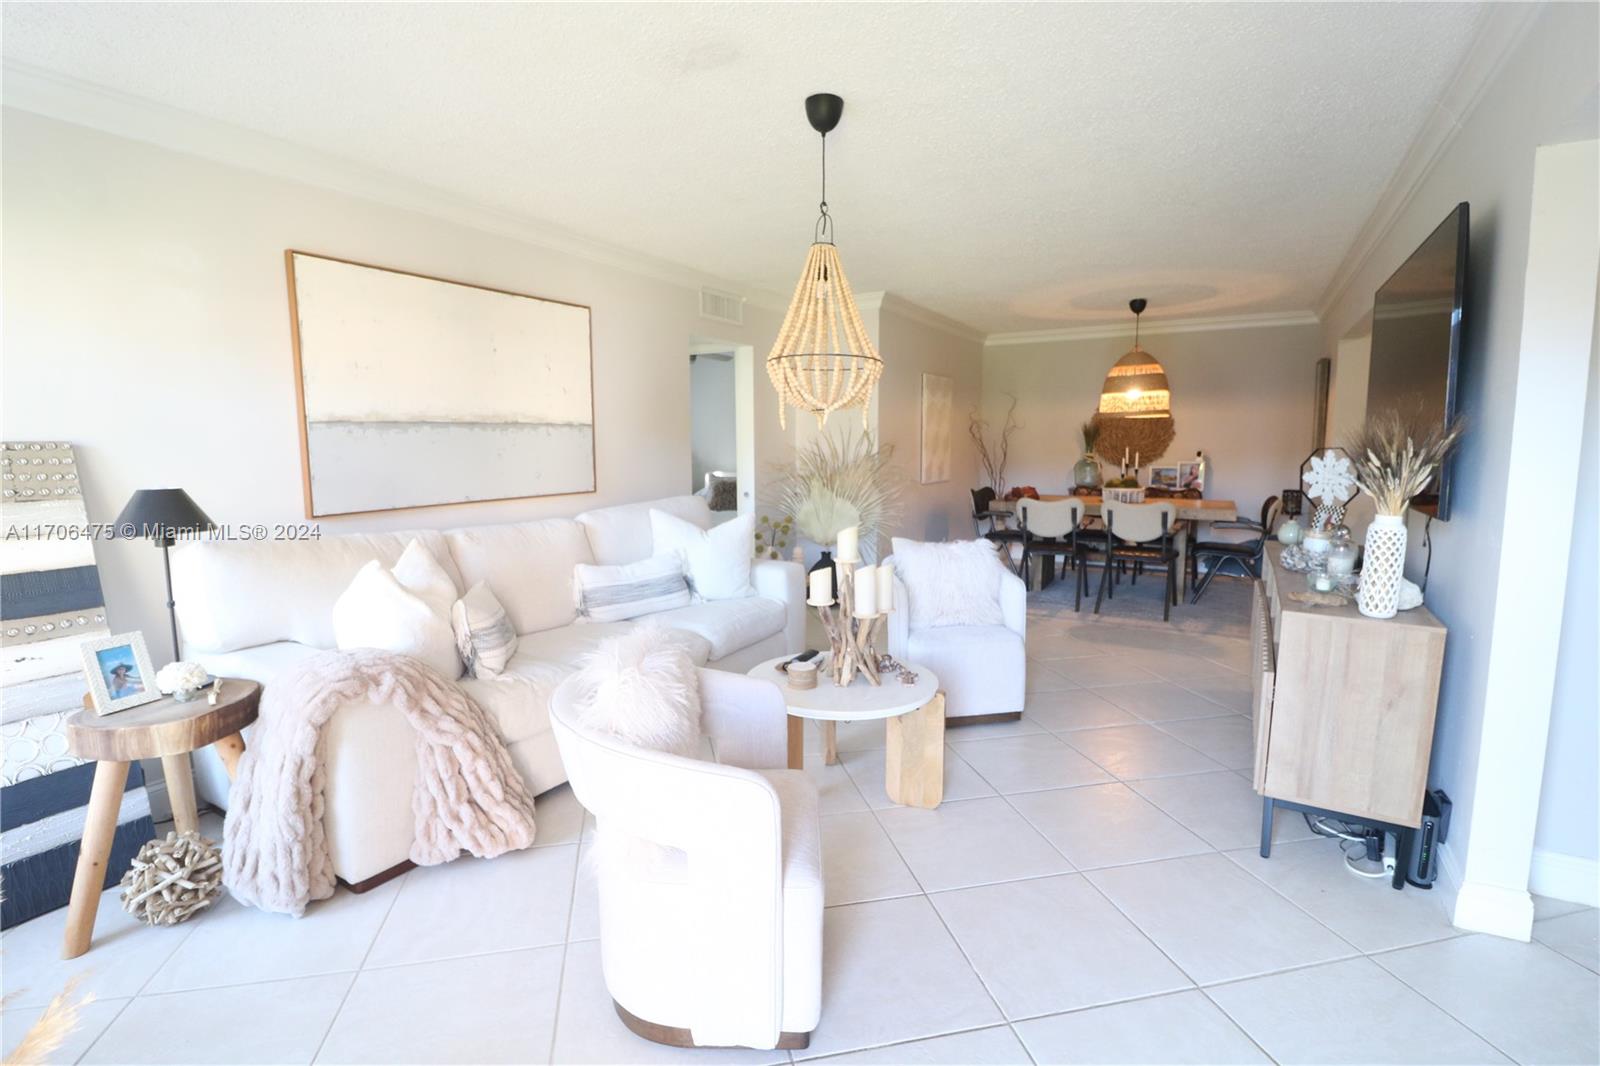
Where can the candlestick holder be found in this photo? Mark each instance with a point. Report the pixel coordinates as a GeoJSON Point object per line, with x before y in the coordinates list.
{"type": "Point", "coordinates": [852, 640]}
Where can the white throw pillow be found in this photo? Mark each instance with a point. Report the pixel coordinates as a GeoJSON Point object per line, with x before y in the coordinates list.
{"type": "Point", "coordinates": [617, 593]}
{"type": "Point", "coordinates": [420, 574]}
{"type": "Point", "coordinates": [376, 611]}
{"type": "Point", "coordinates": [642, 688]}
{"type": "Point", "coordinates": [717, 560]}
{"type": "Point", "coordinates": [956, 583]}
{"type": "Point", "coordinates": [483, 633]}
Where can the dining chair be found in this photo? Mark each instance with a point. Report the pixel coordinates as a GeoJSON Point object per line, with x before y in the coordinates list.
{"type": "Point", "coordinates": [999, 531]}
{"type": "Point", "coordinates": [1050, 528]}
{"type": "Point", "coordinates": [1137, 534]}
{"type": "Point", "coordinates": [1246, 555]}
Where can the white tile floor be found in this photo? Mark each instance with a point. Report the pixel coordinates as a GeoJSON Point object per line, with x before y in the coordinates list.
{"type": "Point", "coordinates": [1089, 892]}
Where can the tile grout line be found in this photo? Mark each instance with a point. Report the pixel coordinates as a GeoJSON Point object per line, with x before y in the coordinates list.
{"type": "Point", "coordinates": [566, 945]}
{"type": "Point", "coordinates": [356, 976]}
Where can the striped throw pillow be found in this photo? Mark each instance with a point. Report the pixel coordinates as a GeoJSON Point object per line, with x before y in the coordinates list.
{"type": "Point", "coordinates": [484, 635]}
{"type": "Point", "coordinates": [617, 593]}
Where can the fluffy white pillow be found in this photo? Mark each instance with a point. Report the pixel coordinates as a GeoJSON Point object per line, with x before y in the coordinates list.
{"type": "Point", "coordinates": [642, 687]}
{"type": "Point", "coordinates": [420, 574]}
{"type": "Point", "coordinates": [617, 593]}
{"type": "Point", "coordinates": [376, 611]}
{"type": "Point", "coordinates": [956, 583]}
{"type": "Point", "coordinates": [483, 633]}
{"type": "Point", "coordinates": [717, 560]}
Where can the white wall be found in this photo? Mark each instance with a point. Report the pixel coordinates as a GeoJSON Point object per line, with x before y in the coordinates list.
{"type": "Point", "coordinates": [1566, 858]}
{"type": "Point", "coordinates": [911, 347]}
{"type": "Point", "coordinates": [713, 437]}
{"type": "Point", "coordinates": [146, 321]}
{"type": "Point", "coordinates": [1547, 80]}
{"type": "Point", "coordinates": [1243, 396]}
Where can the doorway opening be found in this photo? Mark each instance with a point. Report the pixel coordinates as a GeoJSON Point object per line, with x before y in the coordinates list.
{"type": "Point", "coordinates": [721, 448]}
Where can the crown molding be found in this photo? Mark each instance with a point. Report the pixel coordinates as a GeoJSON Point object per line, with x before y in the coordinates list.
{"type": "Point", "coordinates": [1502, 30]}
{"type": "Point", "coordinates": [1210, 324]}
{"type": "Point", "coordinates": [899, 305]}
{"type": "Point", "coordinates": [82, 103]}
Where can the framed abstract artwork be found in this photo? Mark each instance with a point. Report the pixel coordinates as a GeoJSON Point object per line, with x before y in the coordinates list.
{"type": "Point", "coordinates": [938, 397]}
{"type": "Point", "coordinates": [416, 391]}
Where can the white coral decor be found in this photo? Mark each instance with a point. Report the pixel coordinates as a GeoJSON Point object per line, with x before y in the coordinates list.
{"type": "Point", "coordinates": [1331, 477]}
{"type": "Point", "coordinates": [181, 677]}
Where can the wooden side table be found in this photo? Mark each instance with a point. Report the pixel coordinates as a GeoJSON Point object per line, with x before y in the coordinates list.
{"type": "Point", "coordinates": [167, 730]}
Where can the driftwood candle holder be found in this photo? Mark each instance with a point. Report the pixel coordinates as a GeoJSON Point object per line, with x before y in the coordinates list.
{"type": "Point", "coordinates": [851, 637]}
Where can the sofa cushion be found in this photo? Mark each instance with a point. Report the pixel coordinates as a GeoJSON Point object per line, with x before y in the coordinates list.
{"type": "Point", "coordinates": [567, 644]}
{"type": "Point", "coordinates": [717, 560]}
{"type": "Point", "coordinates": [261, 663]}
{"type": "Point", "coordinates": [727, 625]}
{"type": "Point", "coordinates": [240, 594]}
{"type": "Point", "coordinates": [518, 701]}
{"type": "Point", "coordinates": [622, 534]}
{"type": "Point", "coordinates": [528, 564]}
{"type": "Point", "coordinates": [378, 611]}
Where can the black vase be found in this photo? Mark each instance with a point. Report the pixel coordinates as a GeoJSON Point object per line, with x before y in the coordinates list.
{"type": "Point", "coordinates": [826, 563]}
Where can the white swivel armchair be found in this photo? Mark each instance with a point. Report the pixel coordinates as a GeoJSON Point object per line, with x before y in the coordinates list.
{"type": "Point", "coordinates": [982, 669]}
{"type": "Point", "coordinates": [712, 937]}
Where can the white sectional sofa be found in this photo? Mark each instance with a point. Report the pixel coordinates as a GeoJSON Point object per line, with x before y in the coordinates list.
{"type": "Point", "coordinates": [252, 609]}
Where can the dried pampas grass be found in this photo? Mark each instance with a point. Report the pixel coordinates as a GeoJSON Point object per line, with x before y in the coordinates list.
{"type": "Point", "coordinates": [836, 483]}
{"type": "Point", "coordinates": [1395, 456]}
{"type": "Point", "coordinates": [47, 1034]}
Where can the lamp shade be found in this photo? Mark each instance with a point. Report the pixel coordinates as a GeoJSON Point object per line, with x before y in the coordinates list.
{"type": "Point", "coordinates": [1136, 387]}
{"type": "Point", "coordinates": [161, 515]}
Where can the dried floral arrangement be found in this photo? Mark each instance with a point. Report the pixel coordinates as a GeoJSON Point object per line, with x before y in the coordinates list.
{"type": "Point", "coordinates": [1396, 455]}
{"type": "Point", "coordinates": [994, 457]}
{"type": "Point", "coordinates": [1091, 434]}
{"type": "Point", "coordinates": [53, 1026]}
{"type": "Point", "coordinates": [772, 538]}
{"type": "Point", "coordinates": [1149, 438]}
{"type": "Point", "coordinates": [835, 483]}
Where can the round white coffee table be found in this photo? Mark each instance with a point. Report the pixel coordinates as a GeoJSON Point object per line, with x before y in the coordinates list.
{"type": "Point", "coordinates": [914, 762]}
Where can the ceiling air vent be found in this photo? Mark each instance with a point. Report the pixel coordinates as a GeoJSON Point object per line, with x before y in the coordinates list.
{"type": "Point", "coordinates": [722, 306]}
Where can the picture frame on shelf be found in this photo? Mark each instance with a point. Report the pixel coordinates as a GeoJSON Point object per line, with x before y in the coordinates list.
{"type": "Point", "coordinates": [118, 670]}
{"type": "Point", "coordinates": [1189, 476]}
{"type": "Point", "coordinates": [1165, 477]}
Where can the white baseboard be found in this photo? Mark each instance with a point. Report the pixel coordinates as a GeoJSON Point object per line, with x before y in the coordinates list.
{"type": "Point", "coordinates": [1483, 908]}
{"type": "Point", "coordinates": [1565, 877]}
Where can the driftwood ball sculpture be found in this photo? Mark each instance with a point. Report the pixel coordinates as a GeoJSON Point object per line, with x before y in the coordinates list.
{"type": "Point", "coordinates": [172, 879]}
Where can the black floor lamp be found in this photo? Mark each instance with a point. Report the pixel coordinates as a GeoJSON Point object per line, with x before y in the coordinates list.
{"type": "Point", "coordinates": [162, 515]}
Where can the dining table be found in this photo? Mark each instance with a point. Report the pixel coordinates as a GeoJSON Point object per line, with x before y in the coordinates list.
{"type": "Point", "coordinates": [1196, 512]}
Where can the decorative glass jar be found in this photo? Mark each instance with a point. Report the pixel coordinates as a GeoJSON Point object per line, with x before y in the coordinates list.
{"type": "Point", "coordinates": [1291, 532]}
{"type": "Point", "coordinates": [1086, 472]}
{"type": "Point", "coordinates": [1317, 543]}
{"type": "Point", "coordinates": [1343, 554]}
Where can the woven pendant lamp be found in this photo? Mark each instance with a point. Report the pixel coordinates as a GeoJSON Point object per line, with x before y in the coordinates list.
{"type": "Point", "coordinates": [823, 361]}
{"type": "Point", "coordinates": [1137, 386]}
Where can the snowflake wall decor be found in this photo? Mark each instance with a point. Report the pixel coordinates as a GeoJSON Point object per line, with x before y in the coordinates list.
{"type": "Point", "coordinates": [1331, 479]}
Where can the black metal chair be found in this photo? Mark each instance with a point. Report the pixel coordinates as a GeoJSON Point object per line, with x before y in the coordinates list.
{"type": "Point", "coordinates": [998, 532]}
{"type": "Point", "coordinates": [1245, 555]}
{"type": "Point", "coordinates": [1141, 541]}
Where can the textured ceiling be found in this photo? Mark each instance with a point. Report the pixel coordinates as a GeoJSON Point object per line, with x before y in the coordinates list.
{"type": "Point", "coordinates": [1012, 167]}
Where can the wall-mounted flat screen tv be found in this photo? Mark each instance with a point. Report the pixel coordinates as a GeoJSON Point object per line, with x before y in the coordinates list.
{"type": "Point", "coordinates": [1416, 340]}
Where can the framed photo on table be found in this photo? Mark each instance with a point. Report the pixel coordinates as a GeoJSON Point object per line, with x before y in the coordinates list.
{"type": "Point", "coordinates": [1163, 477]}
{"type": "Point", "coordinates": [119, 673]}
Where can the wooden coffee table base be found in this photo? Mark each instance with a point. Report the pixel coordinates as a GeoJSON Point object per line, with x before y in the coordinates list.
{"type": "Point", "coordinates": [913, 763]}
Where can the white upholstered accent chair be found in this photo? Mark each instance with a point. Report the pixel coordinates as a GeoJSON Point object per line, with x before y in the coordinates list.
{"type": "Point", "coordinates": [982, 669]}
{"type": "Point", "coordinates": [710, 874]}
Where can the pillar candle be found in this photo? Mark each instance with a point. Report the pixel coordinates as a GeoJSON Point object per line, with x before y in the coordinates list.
{"type": "Point", "coordinates": [821, 589]}
{"type": "Point", "coordinates": [1136, 463]}
{"type": "Point", "coordinates": [866, 592]}
{"type": "Point", "coordinates": [847, 549]}
{"type": "Point", "coordinates": [886, 588]}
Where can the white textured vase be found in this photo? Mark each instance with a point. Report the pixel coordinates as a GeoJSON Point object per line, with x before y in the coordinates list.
{"type": "Point", "coordinates": [1384, 566]}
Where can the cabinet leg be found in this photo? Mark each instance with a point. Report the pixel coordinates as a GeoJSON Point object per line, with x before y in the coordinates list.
{"type": "Point", "coordinates": [180, 790]}
{"type": "Point", "coordinates": [1266, 826]}
{"type": "Point", "coordinates": [99, 829]}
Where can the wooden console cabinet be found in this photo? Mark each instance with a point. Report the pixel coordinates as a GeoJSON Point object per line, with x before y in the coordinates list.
{"type": "Point", "coordinates": [1343, 704]}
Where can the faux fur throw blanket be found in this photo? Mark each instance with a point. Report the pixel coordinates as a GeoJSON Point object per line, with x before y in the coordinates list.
{"type": "Point", "coordinates": [468, 795]}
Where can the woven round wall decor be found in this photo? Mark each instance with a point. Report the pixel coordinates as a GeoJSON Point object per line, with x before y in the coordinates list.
{"type": "Point", "coordinates": [1148, 438]}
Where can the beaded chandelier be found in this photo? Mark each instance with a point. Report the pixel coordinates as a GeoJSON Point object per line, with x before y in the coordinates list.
{"type": "Point", "coordinates": [823, 360]}
{"type": "Point", "coordinates": [1137, 386]}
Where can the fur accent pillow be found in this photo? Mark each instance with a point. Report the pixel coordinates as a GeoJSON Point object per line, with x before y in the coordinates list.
{"type": "Point", "coordinates": [955, 583]}
{"type": "Point", "coordinates": [643, 688]}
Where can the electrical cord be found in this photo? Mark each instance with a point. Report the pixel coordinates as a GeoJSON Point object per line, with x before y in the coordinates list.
{"type": "Point", "coordinates": [1347, 835]}
{"type": "Point", "coordinates": [1427, 542]}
